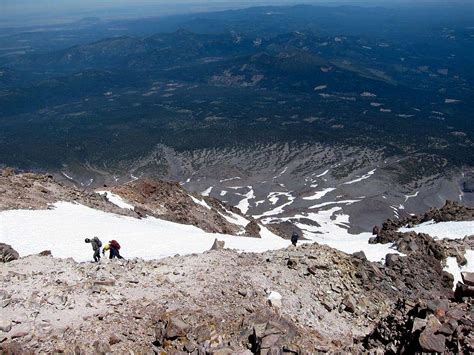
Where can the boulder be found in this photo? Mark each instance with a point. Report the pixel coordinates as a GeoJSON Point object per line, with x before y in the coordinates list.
{"type": "Point", "coordinates": [350, 303]}
{"type": "Point", "coordinates": [391, 259]}
{"type": "Point", "coordinates": [7, 253]}
{"type": "Point", "coordinates": [176, 328]}
{"type": "Point", "coordinates": [376, 230]}
{"type": "Point", "coordinates": [218, 245]}
{"type": "Point", "coordinates": [418, 324]}
{"type": "Point", "coordinates": [253, 230]}
{"type": "Point", "coordinates": [431, 342]}
{"type": "Point", "coordinates": [463, 290]}
{"type": "Point", "coordinates": [8, 172]}
{"type": "Point", "coordinates": [468, 278]}
{"type": "Point", "coordinates": [113, 339]}
{"type": "Point", "coordinates": [437, 305]}
{"type": "Point", "coordinates": [5, 325]}
{"type": "Point", "coordinates": [360, 255]}
{"type": "Point", "coordinates": [373, 240]}
{"type": "Point", "coordinates": [101, 347]}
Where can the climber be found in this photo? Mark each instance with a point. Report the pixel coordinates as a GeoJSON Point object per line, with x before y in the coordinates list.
{"type": "Point", "coordinates": [113, 247]}
{"type": "Point", "coordinates": [96, 244]}
{"type": "Point", "coordinates": [294, 238]}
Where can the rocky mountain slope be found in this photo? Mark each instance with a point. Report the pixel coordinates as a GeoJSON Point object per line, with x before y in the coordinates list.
{"type": "Point", "coordinates": [297, 300]}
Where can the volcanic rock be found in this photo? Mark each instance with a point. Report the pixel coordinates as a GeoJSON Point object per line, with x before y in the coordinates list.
{"type": "Point", "coordinates": [218, 245]}
{"type": "Point", "coordinates": [468, 278]}
{"type": "Point", "coordinates": [7, 253]}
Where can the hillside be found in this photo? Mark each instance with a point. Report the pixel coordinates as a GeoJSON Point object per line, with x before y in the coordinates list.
{"type": "Point", "coordinates": [296, 300]}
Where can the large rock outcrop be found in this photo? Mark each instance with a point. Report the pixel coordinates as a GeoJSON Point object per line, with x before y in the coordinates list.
{"type": "Point", "coordinates": [7, 253]}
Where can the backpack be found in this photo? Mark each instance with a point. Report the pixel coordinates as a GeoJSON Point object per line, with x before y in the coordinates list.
{"type": "Point", "coordinates": [99, 243]}
{"type": "Point", "coordinates": [114, 244]}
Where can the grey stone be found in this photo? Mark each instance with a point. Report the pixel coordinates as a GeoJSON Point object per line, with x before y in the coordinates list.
{"type": "Point", "coordinates": [176, 328]}
{"type": "Point", "coordinates": [5, 325]}
{"type": "Point", "coordinates": [270, 340]}
{"type": "Point", "coordinates": [7, 253]}
{"type": "Point", "coordinates": [360, 255]}
{"type": "Point", "coordinates": [391, 259]}
{"type": "Point", "coordinates": [350, 303]}
{"type": "Point", "coordinates": [432, 342]}
{"type": "Point", "coordinates": [468, 278]}
{"type": "Point", "coordinates": [218, 245]}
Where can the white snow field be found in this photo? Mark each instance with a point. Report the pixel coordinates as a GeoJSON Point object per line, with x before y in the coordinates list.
{"type": "Point", "coordinates": [63, 229]}
{"type": "Point", "coordinates": [444, 230]}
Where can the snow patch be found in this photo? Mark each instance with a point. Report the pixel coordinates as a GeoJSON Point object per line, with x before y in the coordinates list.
{"type": "Point", "coordinates": [451, 101]}
{"type": "Point", "coordinates": [116, 200]}
{"type": "Point", "coordinates": [67, 176]}
{"type": "Point", "coordinates": [207, 192]}
{"type": "Point", "coordinates": [454, 269]}
{"type": "Point", "coordinates": [284, 171]}
{"type": "Point", "coordinates": [235, 218]}
{"type": "Point", "coordinates": [274, 296]}
{"type": "Point", "coordinates": [319, 194]}
{"type": "Point", "coordinates": [244, 204]}
{"type": "Point", "coordinates": [230, 179]}
{"type": "Point", "coordinates": [407, 197]}
{"type": "Point", "coordinates": [200, 202]}
{"type": "Point", "coordinates": [323, 173]}
{"type": "Point", "coordinates": [274, 198]}
{"type": "Point", "coordinates": [363, 177]}
{"type": "Point", "coordinates": [324, 204]}
{"type": "Point", "coordinates": [444, 230]}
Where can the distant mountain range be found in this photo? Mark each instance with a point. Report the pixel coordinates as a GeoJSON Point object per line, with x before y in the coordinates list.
{"type": "Point", "coordinates": [97, 99]}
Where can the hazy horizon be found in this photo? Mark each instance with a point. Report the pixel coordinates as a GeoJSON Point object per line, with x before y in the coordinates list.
{"type": "Point", "coordinates": [15, 13]}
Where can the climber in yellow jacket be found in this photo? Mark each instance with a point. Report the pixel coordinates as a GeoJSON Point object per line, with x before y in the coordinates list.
{"type": "Point", "coordinates": [113, 246]}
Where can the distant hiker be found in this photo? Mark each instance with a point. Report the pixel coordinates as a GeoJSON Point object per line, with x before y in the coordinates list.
{"type": "Point", "coordinates": [113, 247]}
{"type": "Point", "coordinates": [294, 238]}
{"type": "Point", "coordinates": [96, 244]}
